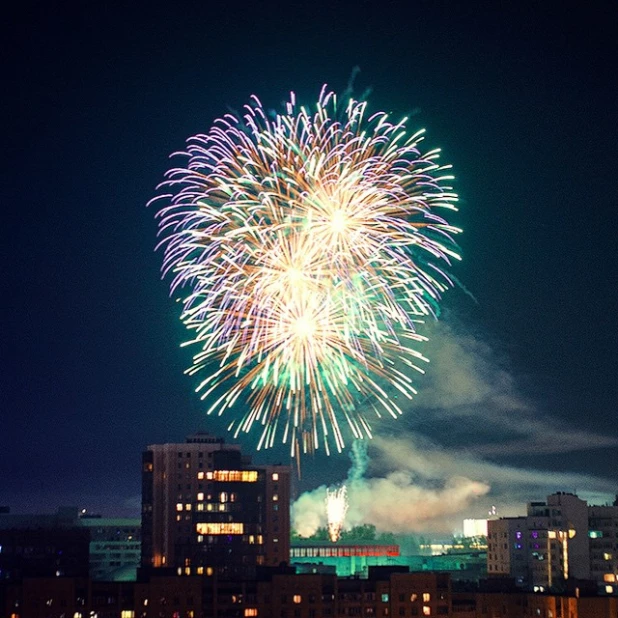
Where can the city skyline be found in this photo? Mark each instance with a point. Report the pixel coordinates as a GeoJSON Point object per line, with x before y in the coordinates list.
{"type": "Point", "coordinates": [520, 395]}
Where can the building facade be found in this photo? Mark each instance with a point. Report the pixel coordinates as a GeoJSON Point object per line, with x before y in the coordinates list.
{"type": "Point", "coordinates": [558, 540]}
{"type": "Point", "coordinates": [115, 547]}
{"type": "Point", "coordinates": [206, 509]}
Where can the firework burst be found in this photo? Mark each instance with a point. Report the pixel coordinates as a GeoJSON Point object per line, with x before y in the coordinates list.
{"type": "Point", "coordinates": [305, 249]}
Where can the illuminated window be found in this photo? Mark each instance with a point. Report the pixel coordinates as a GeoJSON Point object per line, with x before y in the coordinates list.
{"type": "Point", "coordinates": [297, 598]}
{"type": "Point", "coordinates": [609, 589]}
{"type": "Point", "coordinates": [179, 507]}
{"type": "Point", "coordinates": [426, 610]}
{"type": "Point", "coordinates": [200, 496]}
{"type": "Point", "coordinates": [187, 570]}
{"type": "Point", "coordinates": [426, 597]}
{"type": "Point", "coordinates": [275, 476]}
{"type": "Point", "coordinates": [200, 476]}
{"type": "Point", "coordinates": [551, 534]}
{"type": "Point", "coordinates": [413, 597]}
{"type": "Point", "coordinates": [187, 507]}
{"type": "Point", "coordinates": [200, 570]}
{"type": "Point", "coordinates": [223, 496]}
{"type": "Point", "coordinates": [609, 578]}
{"type": "Point", "coordinates": [209, 571]}
{"type": "Point", "coordinates": [127, 613]}
{"type": "Point", "coordinates": [200, 507]}
{"type": "Point", "coordinates": [251, 611]}
{"type": "Point", "coordinates": [595, 534]}
{"type": "Point", "coordinates": [275, 497]}
{"type": "Point", "coordinates": [384, 597]}
{"type": "Point", "coordinates": [607, 556]}
{"type": "Point", "coordinates": [234, 476]}
{"type": "Point", "coordinates": [220, 528]}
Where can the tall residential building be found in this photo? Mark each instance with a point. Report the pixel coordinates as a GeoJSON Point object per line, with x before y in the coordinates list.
{"type": "Point", "coordinates": [603, 535]}
{"type": "Point", "coordinates": [561, 538]}
{"type": "Point", "coordinates": [507, 548]}
{"type": "Point", "coordinates": [206, 509]}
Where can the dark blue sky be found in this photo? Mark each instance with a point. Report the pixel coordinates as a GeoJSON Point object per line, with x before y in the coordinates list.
{"type": "Point", "coordinates": [522, 98]}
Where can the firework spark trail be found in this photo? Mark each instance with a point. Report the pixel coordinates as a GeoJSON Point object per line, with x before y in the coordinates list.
{"type": "Point", "coordinates": [306, 249]}
{"type": "Point", "coordinates": [336, 509]}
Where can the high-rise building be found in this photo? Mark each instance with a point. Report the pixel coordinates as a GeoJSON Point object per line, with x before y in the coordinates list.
{"type": "Point", "coordinates": [206, 509]}
{"type": "Point", "coordinates": [559, 539]}
{"type": "Point", "coordinates": [507, 548]}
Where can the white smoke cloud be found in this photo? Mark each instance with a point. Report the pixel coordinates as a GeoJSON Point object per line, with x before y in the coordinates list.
{"type": "Point", "coordinates": [418, 485]}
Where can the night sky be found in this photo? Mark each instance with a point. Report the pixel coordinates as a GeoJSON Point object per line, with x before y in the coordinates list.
{"type": "Point", "coordinates": [522, 98]}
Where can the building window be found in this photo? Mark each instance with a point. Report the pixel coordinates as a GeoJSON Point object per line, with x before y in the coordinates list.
{"type": "Point", "coordinates": [275, 476]}
{"type": "Point", "coordinates": [385, 597]}
{"type": "Point", "coordinates": [426, 597]}
{"type": "Point", "coordinates": [220, 528]}
{"type": "Point", "coordinates": [297, 598]}
{"type": "Point", "coordinates": [426, 610]}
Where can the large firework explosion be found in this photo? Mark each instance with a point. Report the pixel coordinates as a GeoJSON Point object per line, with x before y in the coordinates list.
{"type": "Point", "coordinates": [306, 247]}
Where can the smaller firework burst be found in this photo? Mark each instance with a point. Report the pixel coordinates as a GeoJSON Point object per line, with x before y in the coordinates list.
{"type": "Point", "coordinates": [336, 508]}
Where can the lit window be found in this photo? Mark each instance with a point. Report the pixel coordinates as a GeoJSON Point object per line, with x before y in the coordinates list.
{"type": "Point", "coordinates": [223, 496]}
{"type": "Point", "coordinates": [551, 534]}
{"type": "Point", "coordinates": [413, 597]}
{"type": "Point", "coordinates": [609, 578]}
{"type": "Point", "coordinates": [297, 598]}
{"type": "Point", "coordinates": [275, 476]}
{"type": "Point", "coordinates": [209, 571]}
{"type": "Point", "coordinates": [200, 507]}
{"type": "Point", "coordinates": [251, 611]}
{"type": "Point", "coordinates": [179, 507]}
{"type": "Point", "coordinates": [220, 528]}
{"type": "Point", "coordinates": [200, 496]}
{"type": "Point", "coordinates": [607, 556]}
{"type": "Point", "coordinates": [187, 570]}
{"type": "Point", "coordinates": [127, 613]}
{"type": "Point", "coordinates": [275, 497]}
{"type": "Point", "coordinates": [609, 589]}
{"type": "Point", "coordinates": [595, 534]}
{"type": "Point", "coordinates": [236, 476]}
{"type": "Point", "coordinates": [200, 476]}
{"type": "Point", "coordinates": [426, 610]}
{"type": "Point", "coordinates": [426, 597]}
{"type": "Point", "coordinates": [384, 597]}
{"type": "Point", "coordinates": [200, 570]}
